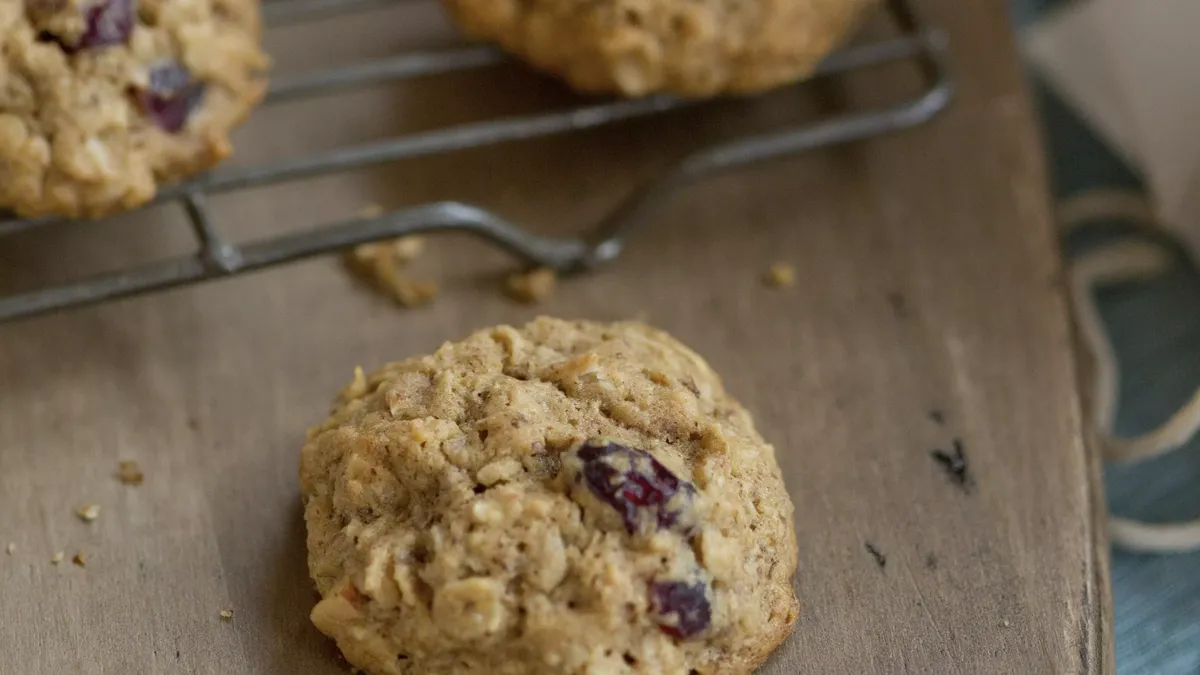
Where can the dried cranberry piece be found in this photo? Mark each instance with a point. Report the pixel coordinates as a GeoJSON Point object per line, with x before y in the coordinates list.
{"type": "Point", "coordinates": [633, 482]}
{"type": "Point", "coordinates": [106, 22]}
{"type": "Point", "coordinates": [681, 609]}
{"type": "Point", "coordinates": [170, 96]}
{"type": "Point", "coordinates": [109, 22]}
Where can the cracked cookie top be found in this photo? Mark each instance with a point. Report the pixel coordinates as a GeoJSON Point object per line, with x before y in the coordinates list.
{"type": "Point", "coordinates": [565, 497]}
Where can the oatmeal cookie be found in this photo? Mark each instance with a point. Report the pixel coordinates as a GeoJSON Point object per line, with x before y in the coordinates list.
{"type": "Point", "coordinates": [562, 498]}
{"type": "Point", "coordinates": [102, 101]}
{"type": "Point", "coordinates": [691, 48]}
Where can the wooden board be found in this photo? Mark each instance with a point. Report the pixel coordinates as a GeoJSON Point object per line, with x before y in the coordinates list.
{"type": "Point", "coordinates": [928, 309]}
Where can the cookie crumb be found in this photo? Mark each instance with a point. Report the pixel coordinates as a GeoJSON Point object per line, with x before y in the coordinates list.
{"type": "Point", "coordinates": [1005, 623]}
{"type": "Point", "coordinates": [781, 275]}
{"type": "Point", "coordinates": [407, 292]}
{"type": "Point", "coordinates": [88, 512]}
{"type": "Point", "coordinates": [379, 263]}
{"type": "Point", "coordinates": [11, 548]}
{"type": "Point", "coordinates": [80, 559]}
{"type": "Point", "coordinates": [400, 250]}
{"type": "Point", "coordinates": [408, 248]}
{"type": "Point", "coordinates": [531, 287]}
{"type": "Point", "coordinates": [129, 473]}
{"type": "Point", "coordinates": [57, 557]}
{"type": "Point", "coordinates": [414, 293]}
{"type": "Point", "coordinates": [227, 614]}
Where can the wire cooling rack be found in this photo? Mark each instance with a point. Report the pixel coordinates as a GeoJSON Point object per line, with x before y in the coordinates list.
{"type": "Point", "coordinates": [215, 258]}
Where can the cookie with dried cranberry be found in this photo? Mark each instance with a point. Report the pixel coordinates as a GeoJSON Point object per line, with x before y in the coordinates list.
{"type": "Point", "coordinates": [561, 498]}
{"type": "Point", "coordinates": [102, 101]}
{"type": "Point", "coordinates": [687, 47]}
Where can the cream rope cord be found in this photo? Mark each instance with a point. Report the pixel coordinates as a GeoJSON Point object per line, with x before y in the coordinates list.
{"type": "Point", "coordinates": [1119, 263]}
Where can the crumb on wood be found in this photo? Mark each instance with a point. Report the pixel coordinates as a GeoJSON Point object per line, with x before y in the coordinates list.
{"type": "Point", "coordinates": [80, 559]}
{"type": "Point", "coordinates": [395, 251]}
{"type": "Point", "coordinates": [931, 562]}
{"type": "Point", "coordinates": [413, 293]}
{"type": "Point", "coordinates": [379, 263]}
{"type": "Point", "coordinates": [129, 473]}
{"type": "Point", "coordinates": [11, 548]}
{"type": "Point", "coordinates": [88, 512]}
{"type": "Point", "coordinates": [1005, 623]}
{"type": "Point", "coordinates": [880, 558]}
{"type": "Point", "coordinates": [955, 465]}
{"type": "Point", "coordinates": [406, 249]}
{"type": "Point", "coordinates": [937, 417]}
{"type": "Point", "coordinates": [781, 275]}
{"type": "Point", "coordinates": [57, 557]}
{"type": "Point", "coordinates": [227, 614]}
{"type": "Point", "coordinates": [531, 287]}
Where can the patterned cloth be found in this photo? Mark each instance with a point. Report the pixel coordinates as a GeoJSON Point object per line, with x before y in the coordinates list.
{"type": "Point", "coordinates": [1153, 324]}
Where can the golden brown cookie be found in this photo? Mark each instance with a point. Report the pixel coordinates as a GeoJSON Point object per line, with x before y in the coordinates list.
{"type": "Point", "coordinates": [562, 498]}
{"type": "Point", "coordinates": [102, 101]}
{"type": "Point", "coordinates": [687, 47]}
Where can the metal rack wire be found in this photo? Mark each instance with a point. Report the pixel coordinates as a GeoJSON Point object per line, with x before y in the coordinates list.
{"type": "Point", "coordinates": [216, 258]}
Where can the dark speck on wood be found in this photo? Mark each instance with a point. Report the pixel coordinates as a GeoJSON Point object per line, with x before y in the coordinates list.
{"type": "Point", "coordinates": [899, 305]}
{"type": "Point", "coordinates": [955, 465]}
{"type": "Point", "coordinates": [880, 558]}
{"type": "Point", "coordinates": [931, 562]}
{"type": "Point", "coordinates": [937, 417]}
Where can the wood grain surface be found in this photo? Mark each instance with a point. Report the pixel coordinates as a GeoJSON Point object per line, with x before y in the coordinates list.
{"type": "Point", "coordinates": [928, 311]}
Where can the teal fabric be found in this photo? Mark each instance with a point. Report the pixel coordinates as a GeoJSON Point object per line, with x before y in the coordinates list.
{"type": "Point", "coordinates": [1155, 327]}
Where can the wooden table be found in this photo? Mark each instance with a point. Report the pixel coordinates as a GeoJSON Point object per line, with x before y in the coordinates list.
{"type": "Point", "coordinates": [928, 310]}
